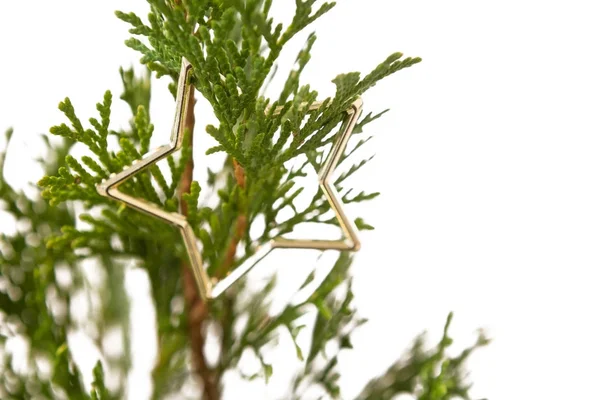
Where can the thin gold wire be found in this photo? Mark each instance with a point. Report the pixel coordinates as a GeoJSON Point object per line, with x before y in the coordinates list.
{"type": "Point", "coordinates": [207, 289]}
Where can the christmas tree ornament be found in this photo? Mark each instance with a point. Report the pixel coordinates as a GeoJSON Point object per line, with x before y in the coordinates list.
{"type": "Point", "coordinates": [208, 288]}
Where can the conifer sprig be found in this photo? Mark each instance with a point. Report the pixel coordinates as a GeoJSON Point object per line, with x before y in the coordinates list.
{"type": "Point", "coordinates": [34, 302]}
{"type": "Point", "coordinates": [233, 46]}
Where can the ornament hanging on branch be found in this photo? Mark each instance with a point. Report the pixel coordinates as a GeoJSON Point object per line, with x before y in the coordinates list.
{"type": "Point", "coordinates": [212, 288]}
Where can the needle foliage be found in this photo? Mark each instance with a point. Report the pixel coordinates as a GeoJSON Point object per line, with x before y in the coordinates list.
{"type": "Point", "coordinates": [233, 46]}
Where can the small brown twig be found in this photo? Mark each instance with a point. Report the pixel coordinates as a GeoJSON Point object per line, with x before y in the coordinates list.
{"type": "Point", "coordinates": [241, 224]}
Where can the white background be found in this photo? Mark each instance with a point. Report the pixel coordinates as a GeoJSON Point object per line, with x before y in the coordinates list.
{"type": "Point", "coordinates": [488, 164]}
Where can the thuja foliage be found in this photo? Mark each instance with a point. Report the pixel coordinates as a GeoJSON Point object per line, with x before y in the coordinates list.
{"type": "Point", "coordinates": [233, 46]}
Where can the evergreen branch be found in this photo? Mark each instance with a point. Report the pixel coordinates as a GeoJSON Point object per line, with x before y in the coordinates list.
{"type": "Point", "coordinates": [428, 374]}
{"type": "Point", "coordinates": [136, 90]}
{"type": "Point", "coordinates": [233, 46]}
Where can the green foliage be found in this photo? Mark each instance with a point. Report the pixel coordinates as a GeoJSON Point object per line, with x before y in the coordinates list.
{"type": "Point", "coordinates": [233, 46]}
{"type": "Point", "coordinates": [430, 374]}
{"type": "Point", "coordinates": [136, 90]}
{"type": "Point", "coordinates": [249, 132]}
{"type": "Point", "coordinates": [99, 390]}
{"type": "Point", "coordinates": [34, 303]}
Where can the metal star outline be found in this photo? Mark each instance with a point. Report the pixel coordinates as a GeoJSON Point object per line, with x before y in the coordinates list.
{"type": "Point", "coordinates": [208, 288]}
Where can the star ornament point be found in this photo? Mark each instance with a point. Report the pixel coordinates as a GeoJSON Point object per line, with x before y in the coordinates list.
{"type": "Point", "coordinates": [207, 287]}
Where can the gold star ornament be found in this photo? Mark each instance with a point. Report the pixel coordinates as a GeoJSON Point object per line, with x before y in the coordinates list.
{"type": "Point", "coordinates": [208, 288]}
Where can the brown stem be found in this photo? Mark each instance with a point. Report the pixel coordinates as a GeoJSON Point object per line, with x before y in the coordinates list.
{"type": "Point", "coordinates": [240, 226]}
{"type": "Point", "coordinates": [197, 311]}
{"type": "Point", "coordinates": [228, 298]}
